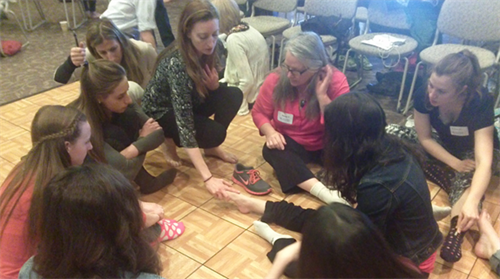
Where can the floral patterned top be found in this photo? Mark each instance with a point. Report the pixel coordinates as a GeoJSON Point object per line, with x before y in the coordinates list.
{"type": "Point", "coordinates": [171, 89]}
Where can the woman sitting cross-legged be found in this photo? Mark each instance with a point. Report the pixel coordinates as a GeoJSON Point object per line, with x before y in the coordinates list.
{"type": "Point", "coordinates": [375, 170]}
{"type": "Point", "coordinates": [289, 113]}
{"type": "Point", "coordinates": [464, 151]}
{"type": "Point", "coordinates": [91, 226]}
{"type": "Point", "coordinates": [185, 91]}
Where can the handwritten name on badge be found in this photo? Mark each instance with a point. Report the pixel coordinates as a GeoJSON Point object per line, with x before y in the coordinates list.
{"type": "Point", "coordinates": [286, 118]}
{"type": "Point", "coordinates": [459, 131]}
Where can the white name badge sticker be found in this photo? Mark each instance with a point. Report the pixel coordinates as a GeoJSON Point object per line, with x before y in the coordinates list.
{"type": "Point", "coordinates": [285, 117]}
{"type": "Point", "coordinates": [459, 131]}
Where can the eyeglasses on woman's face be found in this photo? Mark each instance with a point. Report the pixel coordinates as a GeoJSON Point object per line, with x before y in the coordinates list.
{"type": "Point", "coordinates": [293, 72]}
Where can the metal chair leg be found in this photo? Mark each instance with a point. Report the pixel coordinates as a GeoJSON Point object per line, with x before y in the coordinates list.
{"type": "Point", "coordinates": [402, 88]}
{"type": "Point", "coordinates": [27, 20]}
{"type": "Point", "coordinates": [84, 18]}
{"type": "Point", "coordinates": [27, 42]}
{"type": "Point", "coordinates": [281, 51]}
{"type": "Point", "coordinates": [412, 87]}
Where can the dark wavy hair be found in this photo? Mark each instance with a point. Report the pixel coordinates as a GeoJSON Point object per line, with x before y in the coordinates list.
{"type": "Point", "coordinates": [341, 242]}
{"type": "Point", "coordinates": [92, 227]}
{"type": "Point", "coordinates": [356, 142]}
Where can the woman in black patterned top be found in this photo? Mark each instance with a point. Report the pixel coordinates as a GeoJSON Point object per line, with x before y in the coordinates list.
{"type": "Point", "coordinates": [185, 91]}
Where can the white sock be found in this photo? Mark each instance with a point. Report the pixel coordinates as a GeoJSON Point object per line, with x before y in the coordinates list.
{"type": "Point", "coordinates": [264, 231]}
{"type": "Point", "coordinates": [328, 196]}
{"type": "Point", "coordinates": [440, 212]}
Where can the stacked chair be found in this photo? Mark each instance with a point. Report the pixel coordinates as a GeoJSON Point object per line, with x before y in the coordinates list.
{"type": "Point", "coordinates": [270, 26]}
{"type": "Point", "coordinates": [345, 9]}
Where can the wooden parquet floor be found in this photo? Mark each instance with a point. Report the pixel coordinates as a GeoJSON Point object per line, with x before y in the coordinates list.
{"type": "Point", "coordinates": [219, 241]}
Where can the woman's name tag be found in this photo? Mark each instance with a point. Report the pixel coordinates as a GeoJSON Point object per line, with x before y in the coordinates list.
{"type": "Point", "coordinates": [459, 131]}
{"type": "Point", "coordinates": [285, 117]}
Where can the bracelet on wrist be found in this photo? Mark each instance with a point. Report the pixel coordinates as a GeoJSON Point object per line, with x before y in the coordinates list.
{"type": "Point", "coordinates": [205, 181]}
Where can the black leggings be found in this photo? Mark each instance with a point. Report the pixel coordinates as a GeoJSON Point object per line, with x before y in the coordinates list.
{"type": "Point", "coordinates": [290, 164]}
{"type": "Point", "coordinates": [223, 103]}
{"type": "Point", "coordinates": [291, 217]}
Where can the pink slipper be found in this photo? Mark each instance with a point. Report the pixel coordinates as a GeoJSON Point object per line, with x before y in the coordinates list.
{"type": "Point", "coordinates": [170, 229]}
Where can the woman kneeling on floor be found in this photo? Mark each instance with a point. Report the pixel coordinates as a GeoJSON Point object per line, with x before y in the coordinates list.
{"type": "Point", "coordinates": [378, 172]}
{"type": "Point", "coordinates": [185, 91]}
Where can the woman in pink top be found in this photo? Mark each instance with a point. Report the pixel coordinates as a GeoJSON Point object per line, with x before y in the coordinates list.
{"type": "Point", "coordinates": [289, 113]}
{"type": "Point", "coordinates": [61, 138]}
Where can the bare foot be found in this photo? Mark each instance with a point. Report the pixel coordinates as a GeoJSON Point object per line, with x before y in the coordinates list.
{"type": "Point", "coordinates": [241, 202]}
{"type": "Point", "coordinates": [224, 156]}
{"type": "Point", "coordinates": [169, 150]}
{"type": "Point", "coordinates": [150, 207]}
{"type": "Point", "coordinates": [489, 241]}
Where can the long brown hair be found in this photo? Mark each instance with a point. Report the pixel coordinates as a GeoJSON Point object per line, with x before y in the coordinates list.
{"type": "Point", "coordinates": [92, 227]}
{"type": "Point", "coordinates": [194, 12]}
{"type": "Point", "coordinates": [105, 29]}
{"type": "Point", "coordinates": [99, 79]}
{"type": "Point", "coordinates": [50, 129]}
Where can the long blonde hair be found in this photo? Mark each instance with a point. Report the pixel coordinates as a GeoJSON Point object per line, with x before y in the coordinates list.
{"type": "Point", "coordinates": [105, 29]}
{"type": "Point", "coordinates": [50, 129]}
{"type": "Point", "coordinates": [194, 12]}
{"type": "Point", "coordinates": [99, 79]}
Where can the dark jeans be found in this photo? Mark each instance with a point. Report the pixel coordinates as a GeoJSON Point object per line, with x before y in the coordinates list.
{"type": "Point", "coordinates": [163, 24]}
{"type": "Point", "coordinates": [290, 164]}
{"type": "Point", "coordinates": [223, 103]}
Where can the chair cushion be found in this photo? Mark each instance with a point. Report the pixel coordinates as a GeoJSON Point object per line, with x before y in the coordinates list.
{"type": "Point", "coordinates": [403, 50]}
{"type": "Point", "coordinates": [268, 25]}
{"type": "Point", "coordinates": [433, 54]}
{"type": "Point", "coordinates": [327, 39]}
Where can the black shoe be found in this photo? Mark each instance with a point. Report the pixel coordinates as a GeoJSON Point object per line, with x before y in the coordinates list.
{"type": "Point", "coordinates": [451, 251]}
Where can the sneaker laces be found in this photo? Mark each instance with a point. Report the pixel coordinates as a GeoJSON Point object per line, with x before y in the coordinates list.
{"type": "Point", "coordinates": [254, 176]}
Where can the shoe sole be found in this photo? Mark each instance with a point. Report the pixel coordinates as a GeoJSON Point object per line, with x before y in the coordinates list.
{"type": "Point", "coordinates": [250, 191]}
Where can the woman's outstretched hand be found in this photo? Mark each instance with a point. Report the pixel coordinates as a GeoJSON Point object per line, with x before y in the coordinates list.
{"type": "Point", "coordinates": [219, 188]}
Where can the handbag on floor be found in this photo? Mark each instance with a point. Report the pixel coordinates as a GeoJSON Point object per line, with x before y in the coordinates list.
{"type": "Point", "coordinates": [11, 47]}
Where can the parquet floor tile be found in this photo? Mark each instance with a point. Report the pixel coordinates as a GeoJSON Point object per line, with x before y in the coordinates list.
{"type": "Point", "coordinates": [219, 241]}
{"type": "Point", "coordinates": [242, 258]}
{"type": "Point", "coordinates": [205, 273]}
{"type": "Point", "coordinates": [205, 235]}
{"type": "Point", "coordinates": [176, 264]}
